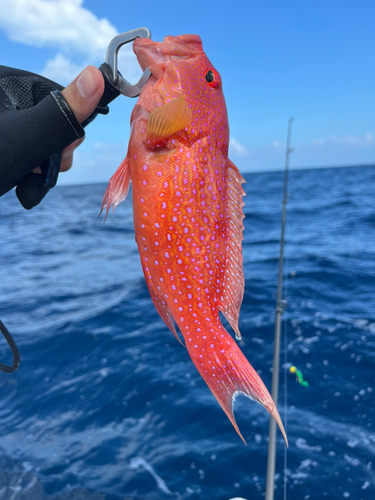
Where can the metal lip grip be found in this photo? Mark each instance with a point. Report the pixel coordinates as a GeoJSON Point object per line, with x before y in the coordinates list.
{"type": "Point", "coordinates": [117, 80]}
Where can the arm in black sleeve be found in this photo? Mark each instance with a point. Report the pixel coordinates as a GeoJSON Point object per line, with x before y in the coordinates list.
{"type": "Point", "coordinates": [29, 136]}
{"type": "Point", "coordinates": [36, 124]}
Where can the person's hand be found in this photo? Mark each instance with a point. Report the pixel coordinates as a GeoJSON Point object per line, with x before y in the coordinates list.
{"type": "Point", "coordinates": [82, 95]}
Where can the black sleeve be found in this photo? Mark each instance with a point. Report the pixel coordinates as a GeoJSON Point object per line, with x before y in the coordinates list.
{"type": "Point", "coordinates": [29, 136]}
{"type": "Point", "coordinates": [36, 124]}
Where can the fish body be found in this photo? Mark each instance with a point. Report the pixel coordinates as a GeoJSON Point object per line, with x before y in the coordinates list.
{"type": "Point", "coordinates": [187, 201]}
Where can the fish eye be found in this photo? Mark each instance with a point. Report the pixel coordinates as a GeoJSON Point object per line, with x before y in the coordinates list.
{"type": "Point", "coordinates": [213, 78]}
{"type": "Point", "coordinates": [209, 76]}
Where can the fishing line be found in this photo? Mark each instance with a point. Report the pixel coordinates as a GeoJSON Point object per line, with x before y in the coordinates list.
{"type": "Point", "coordinates": [280, 306]}
{"type": "Point", "coordinates": [284, 319]}
{"type": "Point", "coordinates": [13, 347]}
{"type": "Point", "coordinates": [285, 385]}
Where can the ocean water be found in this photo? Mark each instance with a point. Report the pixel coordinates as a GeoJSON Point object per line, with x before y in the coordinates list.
{"type": "Point", "coordinates": [107, 405]}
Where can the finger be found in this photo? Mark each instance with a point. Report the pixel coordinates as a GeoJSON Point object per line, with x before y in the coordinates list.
{"type": "Point", "coordinates": [84, 93]}
{"type": "Point", "coordinates": [66, 163]}
{"type": "Point", "coordinates": [67, 156]}
{"type": "Point", "coordinates": [73, 146]}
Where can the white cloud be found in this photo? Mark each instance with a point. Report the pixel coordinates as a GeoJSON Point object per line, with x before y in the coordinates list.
{"type": "Point", "coordinates": [237, 147]}
{"type": "Point", "coordinates": [278, 145]}
{"type": "Point", "coordinates": [317, 142]}
{"type": "Point", "coordinates": [65, 24]}
{"type": "Point", "coordinates": [61, 69]}
{"type": "Point", "coordinates": [367, 140]}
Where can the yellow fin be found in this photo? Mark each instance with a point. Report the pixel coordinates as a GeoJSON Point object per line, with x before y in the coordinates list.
{"type": "Point", "coordinates": [169, 119]}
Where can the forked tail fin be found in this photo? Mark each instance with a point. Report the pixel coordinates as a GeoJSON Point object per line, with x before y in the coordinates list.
{"type": "Point", "coordinates": [118, 187]}
{"type": "Point", "coordinates": [228, 373]}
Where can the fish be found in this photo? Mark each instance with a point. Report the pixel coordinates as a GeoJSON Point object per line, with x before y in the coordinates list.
{"type": "Point", "coordinates": [188, 213]}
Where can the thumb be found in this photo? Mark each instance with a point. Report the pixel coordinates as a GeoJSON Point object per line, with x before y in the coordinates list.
{"type": "Point", "coordinates": [84, 93]}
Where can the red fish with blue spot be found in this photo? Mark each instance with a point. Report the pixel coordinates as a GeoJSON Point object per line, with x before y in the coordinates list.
{"type": "Point", "coordinates": [187, 200]}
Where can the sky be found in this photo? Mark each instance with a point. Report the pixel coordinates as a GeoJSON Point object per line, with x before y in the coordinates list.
{"type": "Point", "coordinates": [314, 61]}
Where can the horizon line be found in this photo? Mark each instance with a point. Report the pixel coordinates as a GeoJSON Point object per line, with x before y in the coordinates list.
{"type": "Point", "coordinates": [363, 165]}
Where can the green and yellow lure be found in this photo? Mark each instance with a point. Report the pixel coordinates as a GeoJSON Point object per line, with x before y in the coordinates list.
{"type": "Point", "coordinates": [299, 376]}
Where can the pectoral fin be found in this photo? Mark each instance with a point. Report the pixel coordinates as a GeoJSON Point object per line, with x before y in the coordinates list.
{"type": "Point", "coordinates": [169, 119]}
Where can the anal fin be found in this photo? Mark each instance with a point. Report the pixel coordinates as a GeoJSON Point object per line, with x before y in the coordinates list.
{"type": "Point", "coordinates": [118, 187]}
{"type": "Point", "coordinates": [160, 305]}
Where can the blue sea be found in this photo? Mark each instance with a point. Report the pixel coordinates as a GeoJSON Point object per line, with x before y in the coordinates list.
{"type": "Point", "coordinates": [107, 405]}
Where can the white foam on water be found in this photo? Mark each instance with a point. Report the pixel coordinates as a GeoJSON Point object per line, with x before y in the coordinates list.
{"type": "Point", "coordinates": [302, 445]}
{"type": "Point", "coordinates": [137, 462]}
{"type": "Point", "coordinates": [352, 443]}
{"type": "Point", "coordinates": [351, 460]}
{"type": "Point", "coordinates": [299, 475]}
{"type": "Point", "coordinates": [307, 463]}
{"type": "Point", "coordinates": [31, 484]}
{"type": "Point", "coordinates": [311, 340]}
{"type": "Point", "coordinates": [257, 341]}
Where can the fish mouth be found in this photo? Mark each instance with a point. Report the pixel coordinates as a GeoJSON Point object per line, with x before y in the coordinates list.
{"type": "Point", "coordinates": [156, 55]}
{"type": "Point", "coordinates": [149, 55]}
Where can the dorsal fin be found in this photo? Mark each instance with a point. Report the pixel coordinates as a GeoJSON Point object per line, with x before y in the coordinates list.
{"type": "Point", "coordinates": [169, 119]}
{"type": "Point", "coordinates": [234, 282]}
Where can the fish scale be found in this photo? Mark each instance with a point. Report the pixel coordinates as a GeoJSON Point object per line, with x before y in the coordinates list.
{"type": "Point", "coordinates": [187, 205]}
{"type": "Point", "coordinates": [181, 241]}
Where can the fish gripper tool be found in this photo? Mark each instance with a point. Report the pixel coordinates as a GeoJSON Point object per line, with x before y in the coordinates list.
{"type": "Point", "coordinates": [115, 83]}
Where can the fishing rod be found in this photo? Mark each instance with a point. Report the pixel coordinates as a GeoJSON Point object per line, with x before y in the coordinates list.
{"type": "Point", "coordinates": [280, 306]}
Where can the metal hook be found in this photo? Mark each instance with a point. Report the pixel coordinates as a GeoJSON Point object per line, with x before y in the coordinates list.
{"type": "Point", "coordinates": [14, 349]}
{"type": "Point", "coordinates": [117, 80]}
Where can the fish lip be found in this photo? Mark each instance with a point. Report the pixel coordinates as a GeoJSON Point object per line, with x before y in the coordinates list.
{"type": "Point", "coordinates": [137, 48]}
{"type": "Point", "coordinates": [149, 55]}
